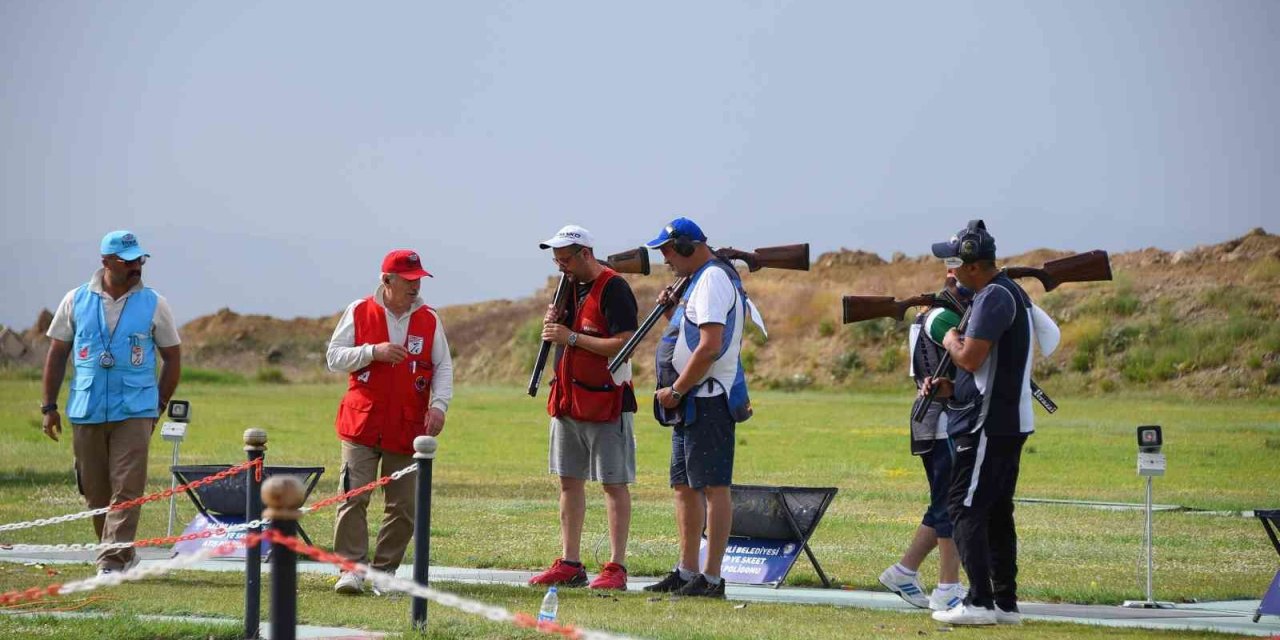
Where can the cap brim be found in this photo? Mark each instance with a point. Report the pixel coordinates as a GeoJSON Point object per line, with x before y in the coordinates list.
{"type": "Point", "coordinates": [132, 253]}
{"type": "Point", "coordinates": [946, 250]}
{"type": "Point", "coordinates": [657, 242]}
{"type": "Point", "coordinates": [415, 275]}
{"type": "Point", "coordinates": [555, 243]}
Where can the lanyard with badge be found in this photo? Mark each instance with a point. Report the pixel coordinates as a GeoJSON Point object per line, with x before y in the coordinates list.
{"type": "Point", "coordinates": [106, 360]}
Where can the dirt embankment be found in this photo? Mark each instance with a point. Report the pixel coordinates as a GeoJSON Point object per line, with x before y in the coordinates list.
{"type": "Point", "coordinates": [1196, 318]}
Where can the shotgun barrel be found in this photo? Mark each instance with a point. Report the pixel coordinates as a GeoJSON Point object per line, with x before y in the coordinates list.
{"type": "Point", "coordinates": [557, 301]}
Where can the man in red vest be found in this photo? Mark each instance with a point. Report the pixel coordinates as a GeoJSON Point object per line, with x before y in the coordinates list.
{"type": "Point", "coordinates": [400, 384]}
{"type": "Point", "coordinates": [592, 410]}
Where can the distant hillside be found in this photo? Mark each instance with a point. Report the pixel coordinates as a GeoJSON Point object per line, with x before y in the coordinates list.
{"type": "Point", "coordinates": [1200, 319]}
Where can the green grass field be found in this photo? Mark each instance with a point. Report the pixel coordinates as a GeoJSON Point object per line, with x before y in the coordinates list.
{"type": "Point", "coordinates": [495, 505]}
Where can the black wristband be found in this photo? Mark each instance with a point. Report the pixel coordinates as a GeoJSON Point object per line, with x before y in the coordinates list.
{"type": "Point", "coordinates": [46, 409]}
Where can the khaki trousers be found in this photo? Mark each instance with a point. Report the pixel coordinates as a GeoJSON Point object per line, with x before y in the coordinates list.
{"type": "Point", "coordinates": [351, 531]}
{"type": "Point", "coordinates": [111, 467]}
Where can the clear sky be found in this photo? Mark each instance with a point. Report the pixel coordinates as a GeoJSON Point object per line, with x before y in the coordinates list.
{"type": "Point", "coordinates": [269, 154]}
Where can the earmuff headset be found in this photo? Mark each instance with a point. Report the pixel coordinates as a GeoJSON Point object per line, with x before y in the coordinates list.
{"type": "Point", "coordinates": [682, 244]}
{"type": "Point", "coordinates": [970, 240]}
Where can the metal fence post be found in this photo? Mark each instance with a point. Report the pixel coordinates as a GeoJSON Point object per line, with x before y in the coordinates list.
{"type": "Point", "coordinates": [425, 446]}
{"type": "Point", "coordinates": [283, 496]}
{"type": "Point", "coordinates": [255, 445]}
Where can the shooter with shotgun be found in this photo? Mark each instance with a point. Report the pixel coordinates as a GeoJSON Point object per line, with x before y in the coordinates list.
{"type": "Point", "coordinates": [994, 344]}
{"type": "Point", "coordinates": [592, 409]}
{"type": "Point", "coordinates": [702, 394]}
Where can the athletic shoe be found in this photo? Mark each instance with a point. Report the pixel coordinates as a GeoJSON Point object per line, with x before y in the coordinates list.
{"type": "Point", "coordinates": [1008, 617]}
{"type": "Point", "coordinates": [612, 576]}
{"type": "Point", "coordinates": [965, 614]}
{"type": "Point", "coordinates": [673, 582]}
{"type": "Point", "coordinates": [700, 587]}
{"type": "Point", "coordinates": [561, 574]}
{"type": "Point", "coordinates": [350, 583]}
{"type": "Point", "coordinates": [943, 599]}
{"type": "Point", "coordinates": [907, 587]}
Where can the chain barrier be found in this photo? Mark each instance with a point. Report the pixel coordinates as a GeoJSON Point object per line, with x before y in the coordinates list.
{"type": "Point", "coordinates": [385, 581]}
{"type": "Point", "coordinates": [118, 577]}
{"type": "Point", "coordinates": [208, 533]}
{"type": "Point", "coordinates": [120, 506]}
{"type": "Point", "coordinates": [389, 582]}
{"type": "Point", "coordinates": [146, 542]}
{"type": "Point", "coordinates": [384, 480]}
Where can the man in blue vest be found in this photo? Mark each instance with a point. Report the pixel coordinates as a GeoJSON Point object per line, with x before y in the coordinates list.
{"type": "Point", "coordinates": [996, 348]}
{"type": "Point", "coordinates": [112, 327]}
{"type": "Point", "coordinates": [702, 395]}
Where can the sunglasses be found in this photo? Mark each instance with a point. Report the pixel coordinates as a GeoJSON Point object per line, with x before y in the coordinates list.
{"type": "Point", "coordinates": [136, 262]}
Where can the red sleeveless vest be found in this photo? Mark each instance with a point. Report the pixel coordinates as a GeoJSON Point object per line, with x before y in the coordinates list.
{"type": "Point", "coordinates": [583, 388]}
{"type": "Point", "coordinates": [386, 405]}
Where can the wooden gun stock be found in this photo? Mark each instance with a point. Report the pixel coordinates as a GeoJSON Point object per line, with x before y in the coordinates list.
{"type": "Point", "coordinates": [1090, 266]}
{"type": "Point", "coordinates": [789, 256]}
{"type": "Point", "coordinates": [630, 261]}
{"type": "Point", "coordinates": [558, 301]}
{"type": "Point", "coordinates": [859, 308]}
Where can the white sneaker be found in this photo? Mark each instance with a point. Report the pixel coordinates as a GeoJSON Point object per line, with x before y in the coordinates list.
{"type": "Point", "coordinates": [350, 583]}
{"type": "Point", "coordinates": [966, 614]}
{"type": "Point", "coordinates": [1008, 617]}
{"type": "Point", "coordinates": [907, 587]}
{"type": "Point", "coordinates": [943, 599]}
{"type": "Point", "coordinates": [131, 564]}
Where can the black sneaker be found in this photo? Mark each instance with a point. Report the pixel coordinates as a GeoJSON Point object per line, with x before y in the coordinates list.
{"type": "Point", "coordinates": [672, 582]}
{"type": "Point", "coordinates": [699, 587]}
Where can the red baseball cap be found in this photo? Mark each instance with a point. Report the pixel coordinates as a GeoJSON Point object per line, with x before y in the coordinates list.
{"type": "Point", "coordinates": [404, 263]}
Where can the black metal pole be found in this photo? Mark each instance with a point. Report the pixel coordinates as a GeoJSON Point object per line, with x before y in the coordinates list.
{"type": "Point", "coordinates": [425, 446]}
{"type": "Point", "coordinates": [283, 496]}
{"type": "Point", "coordinates": [255, 446]}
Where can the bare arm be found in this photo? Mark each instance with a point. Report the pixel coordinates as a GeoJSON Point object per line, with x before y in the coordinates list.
{"type": "Point", "coordinates": [55, 367]}
{"type": "Point", "coordinates": [170, 372]}
{"type": "Point", "coordinates": [700, 361]}
{"type": "Point", "coordinates": [967, 353]}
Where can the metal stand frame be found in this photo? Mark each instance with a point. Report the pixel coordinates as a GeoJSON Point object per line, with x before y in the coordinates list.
{"type": "Point", "coordinates": [1150, 602]}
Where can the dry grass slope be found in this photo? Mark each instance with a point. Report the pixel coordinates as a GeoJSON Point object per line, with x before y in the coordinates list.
{"type": "Point", "coordinates": [1198, 319]}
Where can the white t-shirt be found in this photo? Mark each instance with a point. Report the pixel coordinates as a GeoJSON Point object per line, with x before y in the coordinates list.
{"type": "Point", "coordinates": [711, 300]}
{"type": "Point", "coordinates": [163, 328]}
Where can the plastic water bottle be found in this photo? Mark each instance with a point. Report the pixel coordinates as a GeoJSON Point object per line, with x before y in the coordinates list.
{"type": "Point", "coordinates": [550, 604]}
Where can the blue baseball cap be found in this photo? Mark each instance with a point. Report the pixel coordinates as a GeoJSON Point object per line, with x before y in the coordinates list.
{"type": "Point", "coordinates": [678, 228]}
{"type": "Point", "coordinates": [123, 244]}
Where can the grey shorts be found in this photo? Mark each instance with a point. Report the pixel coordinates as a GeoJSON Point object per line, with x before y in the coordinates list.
{"type": "Point", "coordinates": [597, 451]}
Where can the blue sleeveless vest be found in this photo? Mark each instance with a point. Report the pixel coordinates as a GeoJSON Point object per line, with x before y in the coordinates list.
{"type": "Point", "coordinates": [736, 391]}
{"type": "Point", "coordinates": [127, 389]}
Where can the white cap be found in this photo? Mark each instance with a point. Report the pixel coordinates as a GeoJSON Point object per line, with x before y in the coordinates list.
{"type": "Point", "coordinates": [567, 235]}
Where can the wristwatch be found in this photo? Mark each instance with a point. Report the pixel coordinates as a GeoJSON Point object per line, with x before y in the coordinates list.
{"type": "Point", "coordinates": [46, 409]}
{"type": "Point", "coordinates": [676, 394]}
{"type": "Point", "coordinates": [573, 339]}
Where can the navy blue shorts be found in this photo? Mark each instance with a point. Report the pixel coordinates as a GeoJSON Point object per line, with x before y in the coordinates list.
{"type": "Point", "coordinates": [937, 467]}
{"type": "Point", "coordinates": [702, 455]}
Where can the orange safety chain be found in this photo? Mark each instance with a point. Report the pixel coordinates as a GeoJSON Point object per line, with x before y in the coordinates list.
{"type": "Point", "coordinates": [300, 547]}
{"type": "Point", "coordinates": [36, 593]}
{"type": "Point", "coordinates": [384, 480]}
{"type": "Point", "coordinates": [256, 464]}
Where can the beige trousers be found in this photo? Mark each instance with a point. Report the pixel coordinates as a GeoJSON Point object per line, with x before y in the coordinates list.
{"type": "Point", "coordinates": [111, 467]}
{"type": "Point", "coordinates": [351, 531]}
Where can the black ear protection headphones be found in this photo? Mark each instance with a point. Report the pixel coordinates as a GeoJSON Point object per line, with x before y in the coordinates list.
{"type": "Point", "coordinates": [970, 240]}
{"type": "Point", "coordinates": [682, 244]}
